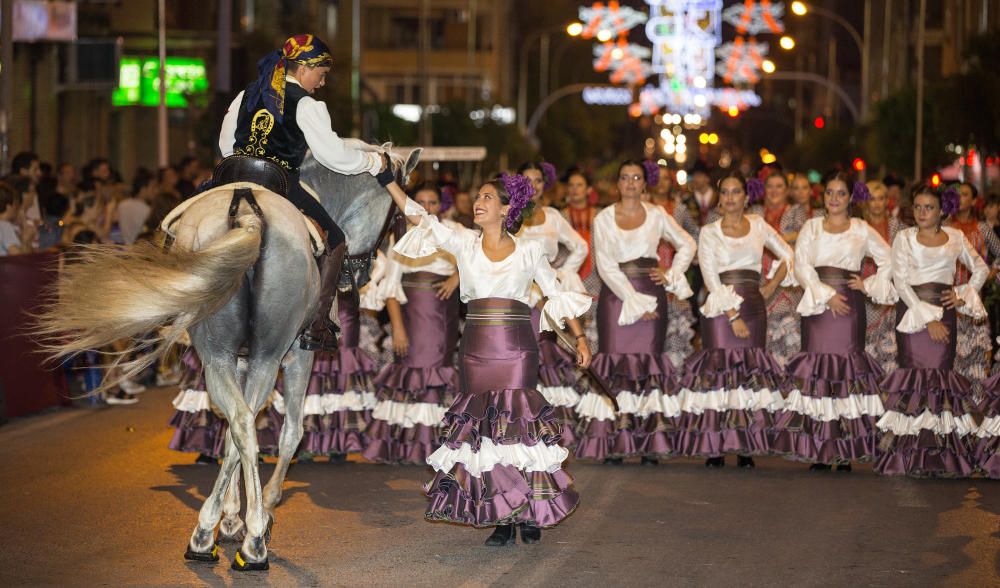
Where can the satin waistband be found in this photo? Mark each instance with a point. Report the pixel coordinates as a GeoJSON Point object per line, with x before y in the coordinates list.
{"type": "Point", "coordinates": [497, 311]}
{"type": "Point", "coordinates": [931, 292]}
{"type": "Point", "coordinates": [427, 280]}
{"type": "Point", "coordinates": [835, 276]}
{"type": "Point", "coordinates": [638, 268]}
{"type": "Point", "coordinates": [739, 277]}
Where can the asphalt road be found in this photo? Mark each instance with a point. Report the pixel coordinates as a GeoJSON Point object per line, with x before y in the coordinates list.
{"type": "Point", "coordinates": [94, 497]}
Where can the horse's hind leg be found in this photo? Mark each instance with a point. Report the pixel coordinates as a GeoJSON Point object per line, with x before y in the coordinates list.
{"type": "Point", "coordinates": [232, 527]}
{"type": "Point", "coordinates": [297, 368]}
{"type": "Point", "coordinates": [202, 544]}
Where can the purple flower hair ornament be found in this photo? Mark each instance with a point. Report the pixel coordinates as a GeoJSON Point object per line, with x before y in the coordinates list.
{"type": "Point", "coordinates": [550, 174]}
{"type": "Point", "coordinates": [755, 190]}
{"type": "Point", "coordinates": [520, 191]}
{"type": "Point", "coordinates": [860, 193]}
{"type": "Point", "coordinates": [447, 198]}
{"type": "Point", "coordinates": [652, 172]}
{"type": "Point", "coordinates": [949, 201]}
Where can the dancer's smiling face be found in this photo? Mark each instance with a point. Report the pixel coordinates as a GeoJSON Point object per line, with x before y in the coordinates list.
{"type": "Point", "coordinates": [732, 196]}
{"type": "Point", "coordinates": [776, 190]}
{"type": "Point", "coordinates": [486, 208]}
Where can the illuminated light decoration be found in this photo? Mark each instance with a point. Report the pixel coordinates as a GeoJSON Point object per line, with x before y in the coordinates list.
{"type": "Point", "coordinates": [741, 60]}
{"type": "Point", "coordinates": [713, 138]}
{"type": "Point", "coordinates": [680, 157]}
{"type": "Point", "coordinates": [754, 18]}
{"type": "Point", "coordinates": [703, 138]}
{"type": "Point", "coordinates": [634, 110]}
{"type": "Point", "coordinates": [574, 29]}
{"type": "Point", "coordinates": [768, 66]}
{"type": "Point", "coordinates": [768, 158]}
{"type": "Point", "coordinates": [858, 164]}
{"type": "Point", "coordinates": [936, 180]}
{"type": "Point", "coordinates": [607, 96]}
{"type": "Point", "coordinates": [682, 177]}
{"type": "Point", "coordinates": [604, 35]}
{"type": "Point", "coordinates": [787, 43]}
{"type": "Point", "coordinates": [613, 18]}
{"type": "Point", "coordinates": [819, 122]}
{"type": "Point", "coordinates": [799, 8]}
{"type": "Point", "coordinates": [626, 62]}
{"type": "Point", "coordinates": [733, 111]}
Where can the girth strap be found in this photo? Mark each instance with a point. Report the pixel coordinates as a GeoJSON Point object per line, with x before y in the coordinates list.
{"type": "Point", "coordinates": [239, 195]}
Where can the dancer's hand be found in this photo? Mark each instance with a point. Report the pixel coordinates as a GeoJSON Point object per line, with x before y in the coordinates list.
{"type": "Point", "coordinates": [400, 342]}
{"type": "Point", "coordinates": [951, 299]}
{"type": "Point", "coordinates": [740, 329]}
{"type": "Point", "coordinates": [659, 277]}
{"type": "Point", "coordinates": [583, 354]}
{"type": "Point", "coordinates": [938, 332]}
{"type": "Point", "coordinates": [650, 316]}
{"type": "Point", "coordinates": [446, 287]}
{"type": "Point", "coordinates": [768, 289]}
{"type": "Point", "coordinates": [838, 305]}
{"type": "Point", "coordinates": [856, 283]}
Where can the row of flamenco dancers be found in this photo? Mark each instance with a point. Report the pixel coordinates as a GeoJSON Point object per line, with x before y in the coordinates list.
{"type": "Point", "coordinates": [831, 405]}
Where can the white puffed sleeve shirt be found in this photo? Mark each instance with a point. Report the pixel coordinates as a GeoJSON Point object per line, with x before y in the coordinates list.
{"type": "Point", "coordinates": [718, 253]}
{"type": "Point", "coordinates": [816, 247]}
{"type": "Point", "coordinates": [556, 230]}
{"type": "Point", "coordinates": [914, 264]}
{"type": "Point", "coordinates": [313, 119]}
{"type": "Point", "coordinates": [480, 277]}
{"type": "Point", "coordinates": [614, 245]}
{"type": "Point", "coordinates": [440, 262]}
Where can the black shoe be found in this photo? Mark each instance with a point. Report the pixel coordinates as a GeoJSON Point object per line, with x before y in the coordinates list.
{"type": "Point", "coordinates": [715, 462]}
{"type": "Point", "coordinates": [530, 534]}
{"type": "Point", "coordinates": [819, 467]}
{"type": "Point", "coordinates": [206, 460]}
{"type": "Point", "coordinates": [502, 535]}
{"type": "Point", "coordinates": [745, 462]}
{"type": "Point", "coordinates": [613, 461]}
{"type": "Point", "coordinates": [652, 461]}
{"type": "Point", "coordinates": [338, 457]}
{"type": "Point", "coordinates": [844, 467]}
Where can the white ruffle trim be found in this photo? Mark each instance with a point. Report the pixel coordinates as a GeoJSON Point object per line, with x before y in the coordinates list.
{"type": "Point", "coordinates": [390, 289]}
{"type": "Point", "coordinates": [943, 424]}
{"type": "Point", "coordinates": [634, 306]}
{"type": "Point", "coordinates": [423, 239]}
{"type": "Point", "coordinates": [570, 281]}
{"type": "Point", "coordinates": [331, 403]}
{"type": "Point", "coordinates": [916, 317]}
{"type": "Point", "coordinates": [527, 458]}
{"type": "Point", "coordinates": [563, 306]}
{"type": "Point", "coordinates": [192, 401]}
{"type": "Point", "coordinates": [814, 299]}
{"type": "Point", "coordinates": [598, 407]}
{"type": "Point", "coordinates": [560, 395]}
{"type": "Point", "coordinates": [738, 399]}
{"type": "Point", "coordinates": [879, 288]}
{"type": "Point", "coordinates": [973, 303]}
{"type": "Point", "coordinates": [832, 409]}
{"type": "Point", "coordinates": [409, 415]}
{"type": "Point", "coordinates": [789, 281]}
{"type": "Point", "coordinates": [990, 427]}
{"type": "Point", "coordinates": [678, 284]}
{"type": "Point", "coordinates": [721, 300]}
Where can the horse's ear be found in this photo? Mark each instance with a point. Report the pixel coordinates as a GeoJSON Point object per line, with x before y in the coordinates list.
{"type": "Point", "coordinates": [411, 161]}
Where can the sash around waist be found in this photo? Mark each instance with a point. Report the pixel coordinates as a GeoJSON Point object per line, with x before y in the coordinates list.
{"type": "Point", "coordinates": [421, 280]}
{"type": "Point", "coordinates": [931, 292]}
{"type": "Point", "coordinates": [835, 276]}
{"type": "Point", "coordinates": [497, 311]}
{"type": "Point", "coordinates": [739, 277]}
{"type": "Point", "coordinates": [638, 268]}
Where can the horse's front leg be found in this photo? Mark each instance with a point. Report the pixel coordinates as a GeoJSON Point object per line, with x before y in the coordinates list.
{"type": "Point", "coordinates": [232, 528]}
{"type": "Point", "coordinates": [202, 545]}
{"type": "Point", "coordinates": [297, 369]}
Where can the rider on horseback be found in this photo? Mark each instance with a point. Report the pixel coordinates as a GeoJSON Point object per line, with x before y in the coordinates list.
{"type": "Point", "coordinates": [276, 119]}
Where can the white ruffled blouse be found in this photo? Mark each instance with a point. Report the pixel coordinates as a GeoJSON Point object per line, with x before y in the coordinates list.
{"type": "Point", "coordinates": [369, 298]}
{"type": "Point", "coordinates": [913, 264]}
{"type": "Point", "coordinates": [614, 245]}
{"type": "Point", "coordinates": [481, 277]}
{"type": "Point", "coordinates": [718, 253]}
{"type": "Point", "coordinates": [440, 262]}
{"type": "Point", "coordinates": [816, 247]}
{"type": "Point", "coordinates": [556, 230]}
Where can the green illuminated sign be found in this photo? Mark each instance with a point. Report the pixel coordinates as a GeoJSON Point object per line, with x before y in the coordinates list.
{"type": "Point", "coordinates": [139, 81]}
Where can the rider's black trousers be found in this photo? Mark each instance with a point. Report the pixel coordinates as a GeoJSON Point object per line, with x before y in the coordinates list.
{"type": "Point", "coordinates": [314, 210]}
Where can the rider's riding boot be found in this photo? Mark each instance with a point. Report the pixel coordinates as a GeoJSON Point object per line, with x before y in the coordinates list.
{"type": "Point", "coordinates": [321, 334]}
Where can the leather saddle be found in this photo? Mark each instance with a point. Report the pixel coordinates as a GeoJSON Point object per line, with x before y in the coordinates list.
{"type": "Point", "coordinates": [243, 168]}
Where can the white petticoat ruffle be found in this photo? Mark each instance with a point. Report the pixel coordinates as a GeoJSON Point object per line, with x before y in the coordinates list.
{"type": "Point", "coordinates": [409, 415]}
{"type": "Point", "coordinates": [990, 427]}
{"type": "Point", "coordinates": [527, 458]}
{"type": "Point", "coordinates": [722, 400]}
{"type": "Point", "coordinates": [598, 407]}
{"type": "Point", "coordinates": [943, 424]}
{"type": "Point", "coordinates": [192, 401]}
{"type": "Point", "coordinates": [355, 400]}
{"type": "Point", "coordinates": [833, 409]}
{"type": "Point", "coordinates": [560, 395]}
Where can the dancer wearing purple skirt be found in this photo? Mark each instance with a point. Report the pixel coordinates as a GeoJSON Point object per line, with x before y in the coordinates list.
{"type": "Point", "coordinates": [731, 389]}
{"type": "Point", "coordinates": [632, 327]}
{"type": "Point", "coordinates": [501, 462]}
{"type": "Point", "coordinates": [834, 398]}
{"type": "Point", "coordinates": [927, 426]}
{"type": "Point", "coordinates": [986, 442]}
{"type": "Point", "coordinates": [414, 392]}
{"type": "Point", "coordinates": [557, 377]}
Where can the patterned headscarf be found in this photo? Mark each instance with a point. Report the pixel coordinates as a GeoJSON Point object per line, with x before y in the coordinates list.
{"type": "Point", "coordinates": [270, 85]}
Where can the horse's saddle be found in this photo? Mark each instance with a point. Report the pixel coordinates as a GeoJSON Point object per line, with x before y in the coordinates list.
{"type": "Point", "coordinates": [243, 168]}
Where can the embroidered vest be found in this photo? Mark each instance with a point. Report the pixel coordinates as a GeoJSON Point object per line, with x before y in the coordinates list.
{"type": "Point", "coordinates": [258, 134]}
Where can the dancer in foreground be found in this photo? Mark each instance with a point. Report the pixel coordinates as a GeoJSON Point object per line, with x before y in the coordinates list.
{"type": "Point", "coordinates": [501, 462]}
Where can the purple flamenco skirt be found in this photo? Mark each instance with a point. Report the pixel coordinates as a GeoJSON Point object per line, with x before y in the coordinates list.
{"type": "Point", "coordinates": [730, 390]}
{"type": "Point", "coordinates": [558, 381]}
{"type": "Point", "coordinates": [635, 367]}
{"type": "Point", "coordinates": [340, 397]}
{"type": "Point", "coordinates": [501, 462]}
{"type": "Point", "coordinates": [833, 400]}
{"type": "Point", "coordinates": [986, 442]}
{"type": "Point", "coordinates": [416, 390]}
{"type": "Point", "coordinates": [927, 428]}
{"type": "Point", "coordinates": [199, 429]}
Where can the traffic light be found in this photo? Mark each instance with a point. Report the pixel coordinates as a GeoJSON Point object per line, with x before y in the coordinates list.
{"type": "Point", "coordinates": [858, 164]}
{"type": "Point", "coordinates": [819, 122]}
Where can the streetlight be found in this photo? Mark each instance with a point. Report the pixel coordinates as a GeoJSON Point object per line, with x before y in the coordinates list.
{"type": "Point", "coordinates": [767, 66]}
{"type": "Point", "coordinates": [799, 8]}
{"type": "Point", "coordinates": [574, 29]}
{"type": "Point", "coordinates": [787, 43]}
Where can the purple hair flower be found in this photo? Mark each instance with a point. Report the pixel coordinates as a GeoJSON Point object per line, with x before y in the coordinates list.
{"type": "Point", "coordinates": [755, 190]}
{"type": "Point", "coordinates": [520, 191]}
{"type": "Point", "coordinates": [550, 174]}
{"type": "Point", "coordinates": [652, 172]}
{"type": "Point", "coordinates": [447, 197]}
{"type": "Point", "coordinates": [860, 193]}
{"type": "Point", "coordinates": [949, 201]}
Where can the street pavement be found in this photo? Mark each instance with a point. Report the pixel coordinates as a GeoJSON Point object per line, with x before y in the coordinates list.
{"type": "Point", "coordinates": [92, 497]}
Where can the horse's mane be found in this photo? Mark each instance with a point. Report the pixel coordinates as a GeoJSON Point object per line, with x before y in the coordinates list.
{"type": "Point", "coordinates": [397, 158]}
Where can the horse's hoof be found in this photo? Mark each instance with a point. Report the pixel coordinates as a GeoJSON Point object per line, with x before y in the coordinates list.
{"type": "Point", "coordinates": [240, 564]}
{"type": "Point", "coordinates": [211, 556]}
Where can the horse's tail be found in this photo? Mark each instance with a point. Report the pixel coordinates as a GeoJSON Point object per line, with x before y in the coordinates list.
{"type": "Point", "coordinates": [143, 295]}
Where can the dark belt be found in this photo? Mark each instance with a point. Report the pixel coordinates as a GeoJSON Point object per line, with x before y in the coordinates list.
{"type": "Point", "coordinates": [422, 280]}
{"type": "Point", "coordinates": [835, 276]}
{"type": "Point", "coordinates": [740, 277]}
{"type": "Point", "coordinates": [931, 292]}
{"type": "Point", "coordinates": [497, 312]}
{"type": "Point", "coordinates": [638, 268]}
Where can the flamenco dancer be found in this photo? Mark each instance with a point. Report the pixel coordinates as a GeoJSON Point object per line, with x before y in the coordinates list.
{"type": "Point", "coordinates": [730, 390]}
{"type": "Point", "coordinates": [414, 392]}
{"type": "Point", "coordinates": [927, 425]}
{"type": "Point", "coordinates": [558, 380]}
{"type": "Point", "coordinates": [501, 463]}
{"type": "Point", "coordinates": [834, 398]}
{"type": "Point", "coordinates": [986, 442]}
{"type": "Point", "coordinates": [881, 338]}
{"type": "Point", "coordinates": [631, 324]}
